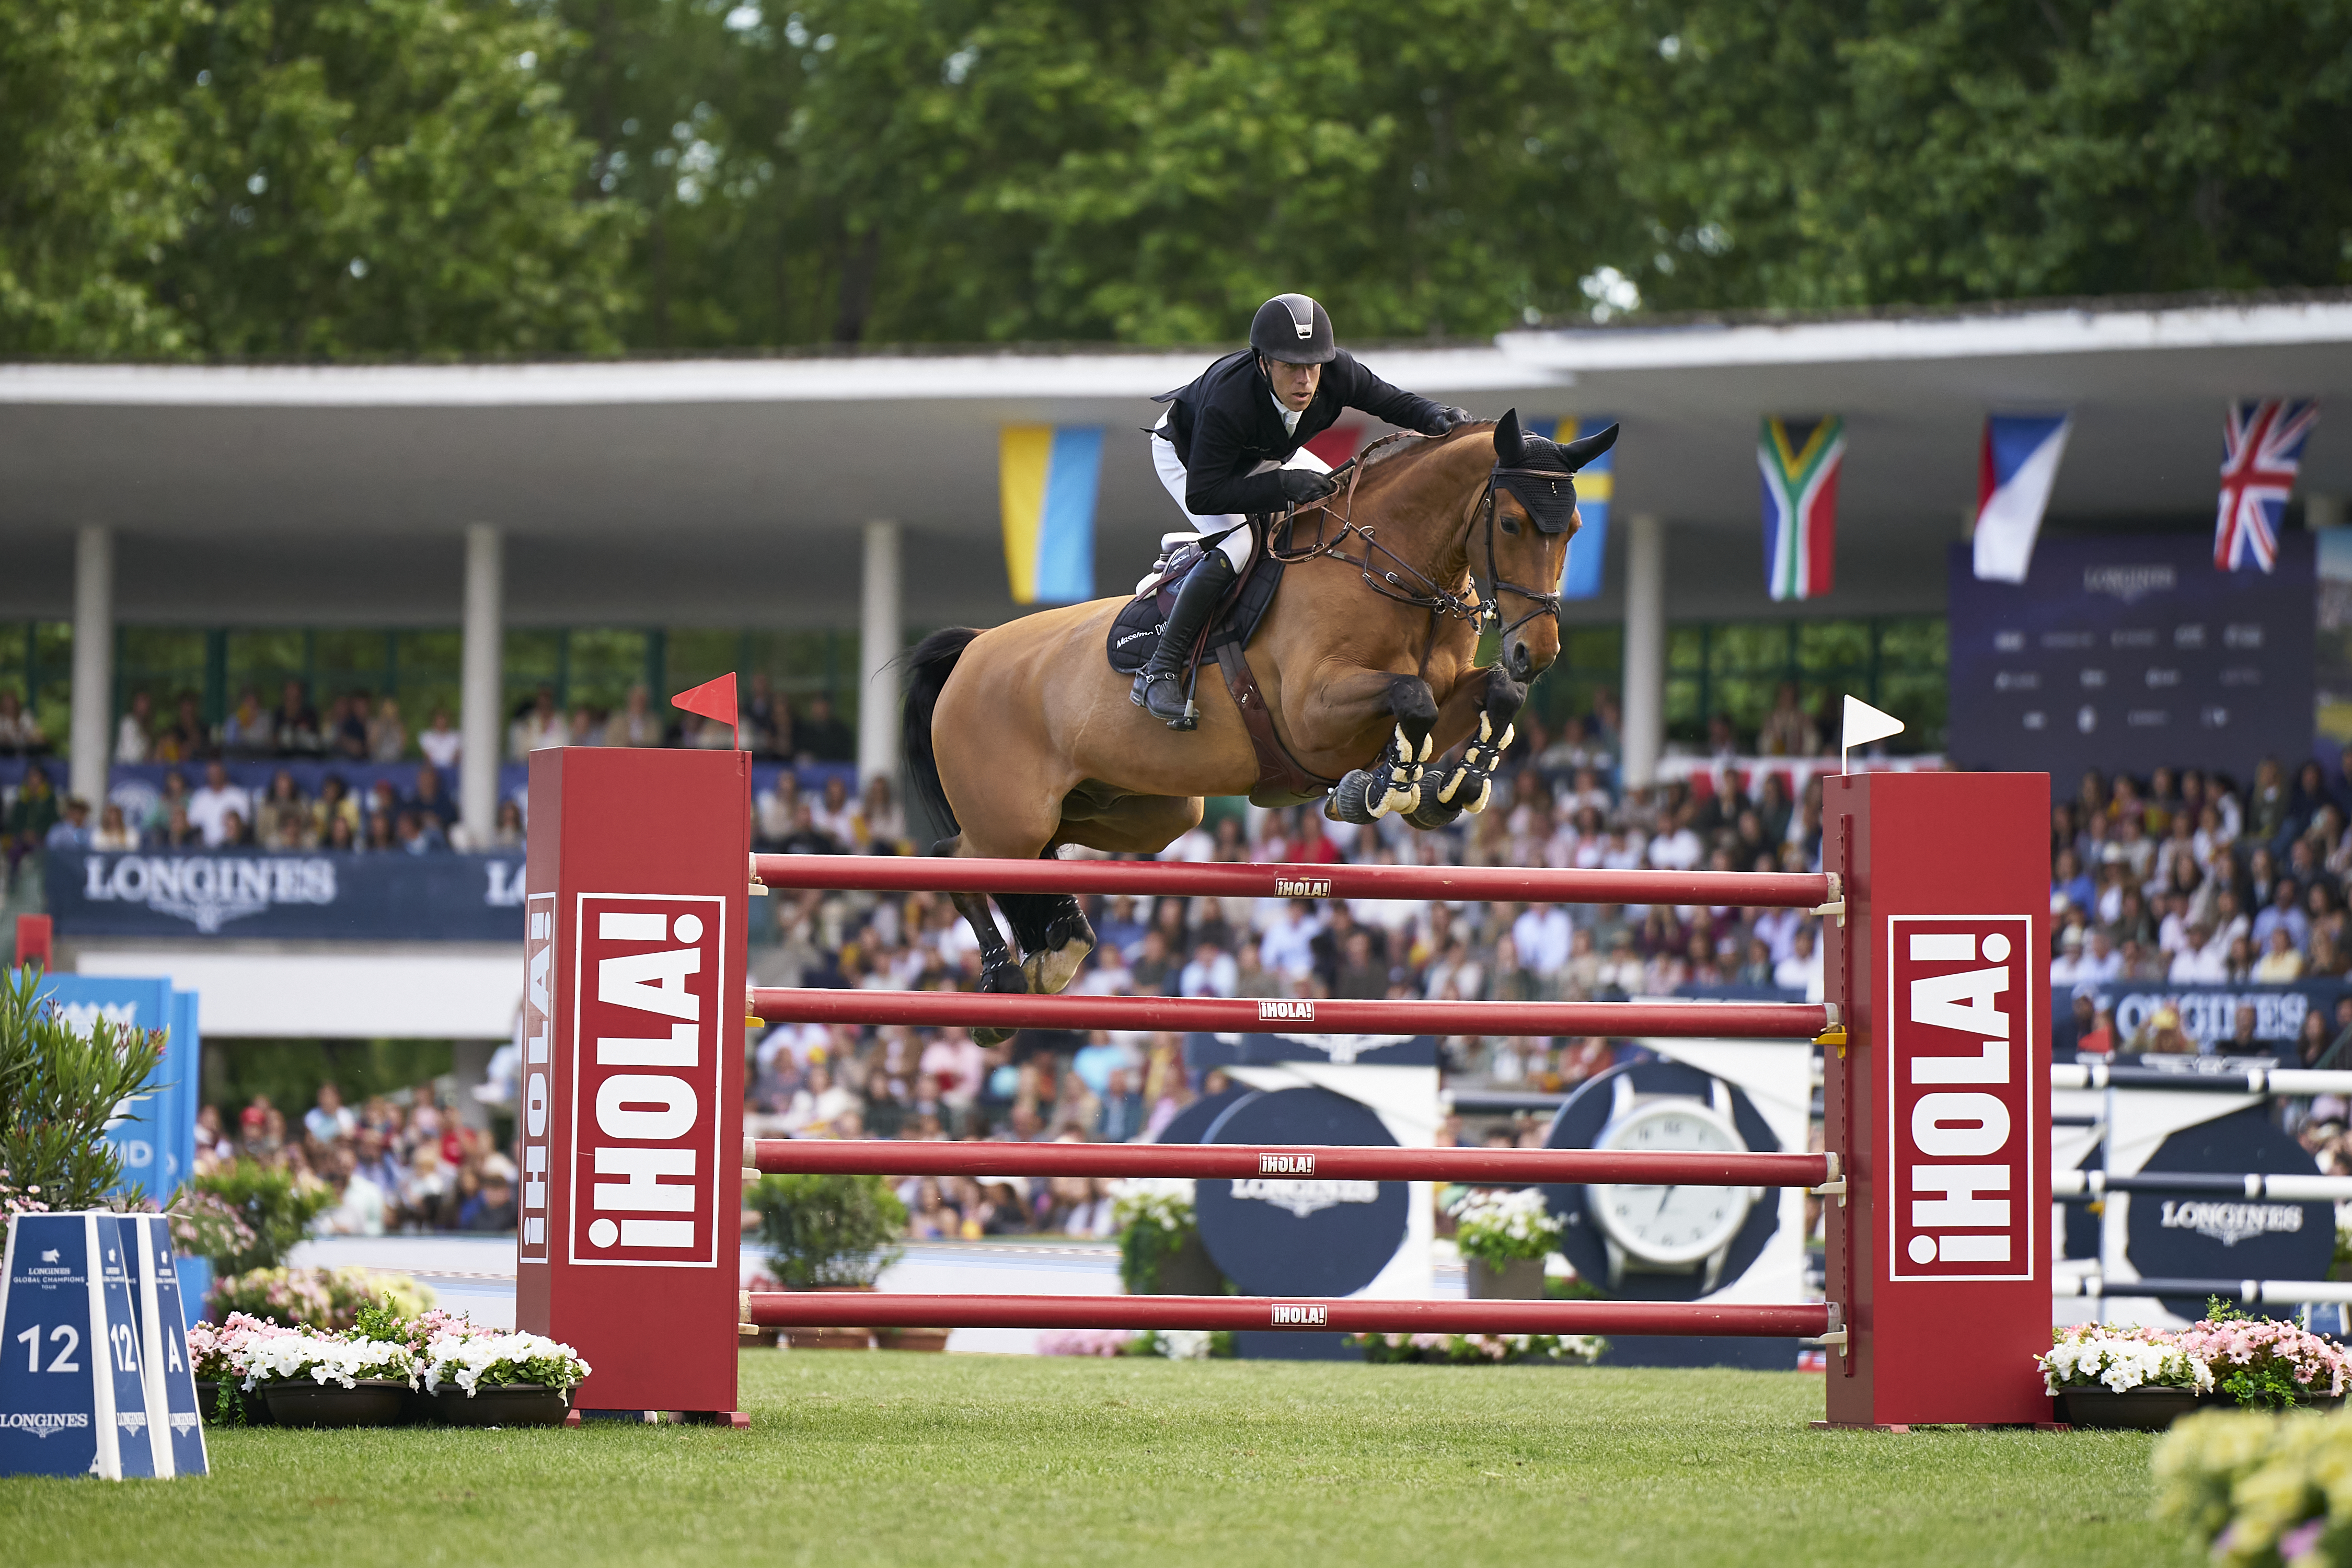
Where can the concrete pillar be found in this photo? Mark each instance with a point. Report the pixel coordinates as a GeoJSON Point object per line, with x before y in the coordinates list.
{"type": "Point", "coordinates": [480, 694]}
{"type": "Point", "coordinates": [1645, 693]}
{"type": "Point", "coordinates": [91, 742]}
{"type": "Point", "coordinates": [879, 639]}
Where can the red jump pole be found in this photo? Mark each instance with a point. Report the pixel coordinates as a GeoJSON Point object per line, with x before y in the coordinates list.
{"type": "Point", "coordinates": [830, 1309]}
{"type": "Point", "coordinates": [1516, 1167]}
{"type": "Point", "coordinates": [905, 874]}
{"type": "Point", "coordinates": [1219, 1014]}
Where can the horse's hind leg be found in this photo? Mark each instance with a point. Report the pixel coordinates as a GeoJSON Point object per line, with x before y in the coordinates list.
{"type": "Point", "coordinates": [998, 971]}
{"type": "Point", "coordinates": [1054, 935]}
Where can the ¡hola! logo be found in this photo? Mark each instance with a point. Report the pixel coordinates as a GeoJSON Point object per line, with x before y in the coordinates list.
{"type": "Point", "coordinates": [1959, 1086]}
{"type": "Point", "coordinates": [645, 1079]}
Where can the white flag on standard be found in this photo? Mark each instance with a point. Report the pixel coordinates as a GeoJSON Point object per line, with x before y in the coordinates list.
{"type": "Point", "coordinates": [1864, 724]}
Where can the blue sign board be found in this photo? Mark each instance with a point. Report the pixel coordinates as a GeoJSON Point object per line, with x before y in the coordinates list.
{"type": "Point", "coordinates": [155, 1132]}
{"type": "Point", "coordinates": [255, 894]}
{"type": "Point", "coordinates": [1290, 1235]}
{"type": "Point", "coordinates": [2209, 1013]}
{"type": "Point", "coordinates": [2132, 653]}
{"type": "Point", "coordinates": [94, 1371]}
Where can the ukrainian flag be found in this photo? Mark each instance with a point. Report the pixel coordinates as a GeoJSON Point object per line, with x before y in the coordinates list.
{"type": "Point", "coordinates": [1047, 476]}
{"type": "Point", "coordinates": [1596, 485]}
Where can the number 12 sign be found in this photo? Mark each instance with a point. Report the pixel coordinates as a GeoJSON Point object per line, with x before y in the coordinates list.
{"type": "Point", "coordinates": [94, 1371]}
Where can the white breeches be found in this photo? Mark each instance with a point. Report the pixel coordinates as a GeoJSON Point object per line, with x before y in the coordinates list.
{"type": "Point", "coordinates": [1235, 540]}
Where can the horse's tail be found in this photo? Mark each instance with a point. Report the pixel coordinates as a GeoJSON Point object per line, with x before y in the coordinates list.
{"type": "Point", "coordinates": [927, 668]}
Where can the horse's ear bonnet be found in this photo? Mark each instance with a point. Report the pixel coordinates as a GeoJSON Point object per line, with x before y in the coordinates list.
{"type": "Point", "coordinates": [1510, 441]}
{"type": "Point", "coordinates": [1576, 453]}
{"type": "Point", "coordinates": [1539, 474]}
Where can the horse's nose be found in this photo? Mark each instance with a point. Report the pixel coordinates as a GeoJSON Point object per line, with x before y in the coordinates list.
{"type": "Point", "coordinates": [1523, 663]}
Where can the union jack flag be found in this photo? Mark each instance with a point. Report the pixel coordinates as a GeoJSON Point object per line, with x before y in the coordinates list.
{"type": "Point", "coordinates": [2262, 447]}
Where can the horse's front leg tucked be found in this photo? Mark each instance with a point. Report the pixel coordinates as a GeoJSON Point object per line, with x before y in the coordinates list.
{"type": "Point", "coordinates": [1492, 705]}
{"type": "Point", "coordinates": [1393, 781]}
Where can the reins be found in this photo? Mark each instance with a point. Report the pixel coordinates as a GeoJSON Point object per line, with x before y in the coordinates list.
{"type": "Point", "coordinates": [1437, 599]}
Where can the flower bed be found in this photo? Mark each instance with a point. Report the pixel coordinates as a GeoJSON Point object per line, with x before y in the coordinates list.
{"type": "Point", "coordinates": [477, 1360]}
{"type": "Point", "coordinates": [2255, 1362]}
{"type": "Point", "coordinates": [1480, 1350]}
{"type": "Point", "coordinates": [258, 1364]}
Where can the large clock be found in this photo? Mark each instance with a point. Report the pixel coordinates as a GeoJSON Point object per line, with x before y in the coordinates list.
{"type": "Point", "coordinates": [1655, 1243]}
{"type": "Point", "coordinates": [1664, 1227]}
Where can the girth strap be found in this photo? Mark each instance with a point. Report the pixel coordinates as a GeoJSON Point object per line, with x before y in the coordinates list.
{"type": "Point", "coordinates": [1278, 773]}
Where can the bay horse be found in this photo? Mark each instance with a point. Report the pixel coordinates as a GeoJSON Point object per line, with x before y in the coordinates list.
{"type": "Point", "coordinates": [1023, 739]}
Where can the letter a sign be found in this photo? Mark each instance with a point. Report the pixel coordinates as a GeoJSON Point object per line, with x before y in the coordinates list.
{"type": "Point", "coordinates": [94, 1371]}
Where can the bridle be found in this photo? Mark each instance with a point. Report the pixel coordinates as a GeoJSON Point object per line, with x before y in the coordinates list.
{"type": "Point", "coordinates": [1391, 581]}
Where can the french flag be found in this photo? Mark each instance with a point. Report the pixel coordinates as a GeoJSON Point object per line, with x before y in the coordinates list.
{"type": "Point", "coordinates": [2019, 465]}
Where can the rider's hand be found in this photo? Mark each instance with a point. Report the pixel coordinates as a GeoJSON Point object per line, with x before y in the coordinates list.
{"type": "Point", "coordinates": [1302, 485]}
{"type": "Point", "coordinates": [1446, 418]}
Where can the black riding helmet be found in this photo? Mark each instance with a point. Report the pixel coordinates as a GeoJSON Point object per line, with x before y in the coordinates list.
{"type": "Point", "coordinates": [1292, 328]}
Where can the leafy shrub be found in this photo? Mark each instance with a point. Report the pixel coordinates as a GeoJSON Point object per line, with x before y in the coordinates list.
{"type": "Point", "coordinates": [328, 1298]}
{"type": "Point", "coordinates": [58, 1088]}
{"type": "Point", "coordinates": [828, 1230]}
{"type": "Point", "coordinates": [277, 1206]}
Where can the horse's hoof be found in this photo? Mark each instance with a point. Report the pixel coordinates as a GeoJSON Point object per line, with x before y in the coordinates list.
{"type": "Point", "coordinates": [1055, 968]}
{"type": "Point", "coordinates": [1434, 815]}
{"type": "Point", "coordinates": [1350, 798]}
{"type": "Point", "coordinates": [1004, 977]}
{"type": "Point", "coordinates": [984, 1038]}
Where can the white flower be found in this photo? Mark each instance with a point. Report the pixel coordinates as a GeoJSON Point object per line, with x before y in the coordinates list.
{"type": "Point", "coordinates": [325, 1359]}
{"type": "Point", "coordinates": [1500, 1226]}
{"type": "Point", "coordinates": [1183, 1344]}
{"type": "Point", "coordinates": [464, 1361]}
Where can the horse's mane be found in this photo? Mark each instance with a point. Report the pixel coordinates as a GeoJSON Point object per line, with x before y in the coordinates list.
{"type": "Point", "coordinates": [1410, 444]}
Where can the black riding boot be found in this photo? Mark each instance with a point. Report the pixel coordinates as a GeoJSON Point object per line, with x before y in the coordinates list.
{"type": "Point", "coordinates": [1159, 687]}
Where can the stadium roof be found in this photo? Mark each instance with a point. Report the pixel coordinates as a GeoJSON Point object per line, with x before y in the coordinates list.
{"type": "Point", "coordinates": [730, 491]}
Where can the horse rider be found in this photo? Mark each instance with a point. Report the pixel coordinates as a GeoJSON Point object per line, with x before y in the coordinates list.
{"type": "Point", "coordinates": [1234, 443]}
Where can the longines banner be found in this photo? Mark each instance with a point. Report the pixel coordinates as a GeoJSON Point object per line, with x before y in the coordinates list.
{"type": "Point", "coordinates": [254, 895]}
{"type": "Point", "coordinates": [2132, 653]}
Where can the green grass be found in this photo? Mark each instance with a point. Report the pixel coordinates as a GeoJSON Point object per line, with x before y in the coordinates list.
{"type": "Point", "coordinates": [896, 1458]}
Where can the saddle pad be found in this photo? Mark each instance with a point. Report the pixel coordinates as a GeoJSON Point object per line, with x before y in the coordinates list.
{"type": "Point", "coordinates": [1135, 632]}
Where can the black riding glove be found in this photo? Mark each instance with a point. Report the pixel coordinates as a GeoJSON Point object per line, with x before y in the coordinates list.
{"type": "Point", "coordinates": [1302, 485]}
{"type": "Point", "coordinates": [1446, 418]}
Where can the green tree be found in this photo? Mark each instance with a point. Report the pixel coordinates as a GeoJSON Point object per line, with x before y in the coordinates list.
{"type": "Point", "coordinates": [266, 179]}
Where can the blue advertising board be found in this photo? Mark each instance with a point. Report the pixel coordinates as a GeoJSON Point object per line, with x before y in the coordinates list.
{"type": "Point", "coordinates": [253, 894]}
{"type": "Point", "coordinates": [2209, 1013]}
{"type": "Point", "coordinates": [155, 1132]}
{"type": "Point", "coordinates": [95, 1377]}
{"type": "Point", "coordinates": [2131, 653]}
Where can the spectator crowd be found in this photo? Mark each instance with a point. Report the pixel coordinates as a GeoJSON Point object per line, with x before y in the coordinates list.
{"type": "Point", "coordinates": [395, 1163]}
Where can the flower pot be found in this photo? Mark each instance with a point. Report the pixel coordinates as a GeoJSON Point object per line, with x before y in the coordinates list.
{"type": "Point", "coordinates": [832, 1339]}
{"type": "Point", "coordinates": [1520, 1280]}
{"type": "Point", "coordinates": [303, 1401]}
{"type": "Point", "coordinates": [912, 1339]}
{"type": "Point", "coordinates": [255, 1408]}
{"type": "Point", "coordinates": [2133, 1410]}
{"type": "Point", "coordinates": [506, 1405]}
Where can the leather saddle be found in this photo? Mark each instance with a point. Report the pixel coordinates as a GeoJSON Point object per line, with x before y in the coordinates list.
{"type": "Point", "coordinates": [1135, 634]}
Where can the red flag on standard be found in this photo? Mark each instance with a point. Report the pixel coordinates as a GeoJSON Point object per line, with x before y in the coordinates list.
{"type": "Point", "coordinates": [712, 699]}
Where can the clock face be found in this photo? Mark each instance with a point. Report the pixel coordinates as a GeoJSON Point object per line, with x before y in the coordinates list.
{"type": "Point", "coordinates": [1671, 1226]}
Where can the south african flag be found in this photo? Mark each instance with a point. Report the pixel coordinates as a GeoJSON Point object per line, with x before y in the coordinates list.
{"type": "Point", "coordinates": [1801, 459]}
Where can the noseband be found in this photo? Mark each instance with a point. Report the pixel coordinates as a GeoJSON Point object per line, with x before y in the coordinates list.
{"type": "Point", "coordinates": [1546, 495]}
